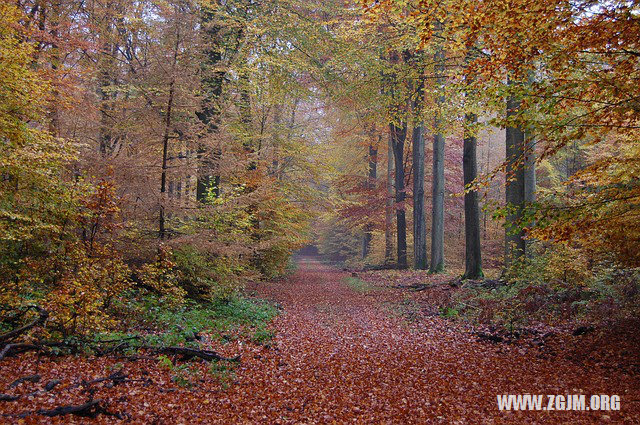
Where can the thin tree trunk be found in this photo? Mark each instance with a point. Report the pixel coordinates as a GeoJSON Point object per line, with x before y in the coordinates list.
{"type": "Point", "coordinates": [165, 138]}
{"type": "Point", "coordinates": [515, 186]}
{"type": "Point", "coordinates": [419, 222]}
{"type": "Point", "coordinates": [437, 219]}
{"type": "Point", "coordinates": [486, 169]}
{"type": "Point", "coordinates": [388, 216]}
{"type": "Point", "coordinates": [106, 65]}
{"type": "Point", "coordinates": [54, 113]}
{"type": "Point", "coordinates": [399, 135]}
{"type": "Point", "coordinates": [529, 181]}
{"type": "Point", "coordinates": [275, 160]}
{"type": "Point", "coordinates": [473, 257]}
{"type": "Point", "coordinates": [373, 175]}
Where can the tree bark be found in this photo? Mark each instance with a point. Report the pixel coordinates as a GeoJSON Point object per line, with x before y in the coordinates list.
{"type": "Point", "coordinates": [515, 186]}
{"type": "Point", "coordinates": [437, 219]}
{"type": "Point", "coordinates": [109, 51]}
{"type": "Point", "coordinates": [373, 175]}
{"type": "Point", "coordinates": [216, 43]}
{"type": "Point", "coordinates": [388, 215]}
{"type": "Point", "coordinates": [165, 138]}
{"type": "Point", "coordinates": [529, 182]}
{"type": "Point", "coordinates": [419, 222]}
{"type": "Point", "coordinates": [399, 135]}
{"type": "Point", "coordinates": [473, 256]}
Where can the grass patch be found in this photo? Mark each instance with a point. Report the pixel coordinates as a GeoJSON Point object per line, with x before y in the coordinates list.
{"type": "Point", "coordinates": [359, 285]}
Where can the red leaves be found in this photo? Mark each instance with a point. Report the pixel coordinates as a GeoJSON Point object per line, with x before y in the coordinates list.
{"type": "Point", "coordinates": [339, 356]}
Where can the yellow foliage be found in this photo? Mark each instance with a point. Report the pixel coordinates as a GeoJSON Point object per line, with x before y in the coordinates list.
{"type": "Point", "coordinates": [161, 277]}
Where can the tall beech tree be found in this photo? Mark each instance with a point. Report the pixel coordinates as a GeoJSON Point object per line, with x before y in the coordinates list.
{"type": "Point", "coordinates": [473, 256]}
{"type": "Point", "coordinates": [398, 137]}
{"type": "Point", "coordinates": [398, 130]}
{"type": "Point", "coordinates": [515, 183]}
{"type": "Point", "coordinates": [419, 221]}
{"type": "Point", "coordinates": [388, 211]}
{"type": "Point", "coordinates": [222, 31]}
{"type": "Point", "coordinates": [437, 188]}
{"type": "Point", "coordinates": [168, 128]}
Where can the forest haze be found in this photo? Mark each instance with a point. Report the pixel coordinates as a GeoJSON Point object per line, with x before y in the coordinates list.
{"type": "Point", "coordinates": [163, 161]}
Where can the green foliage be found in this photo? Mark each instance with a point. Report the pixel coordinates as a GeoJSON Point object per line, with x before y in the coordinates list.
{"type": "Point", "coordinates": [262, 336]}
{"type": "Point", "coordinates": [223, 372]}
{"type": "Point", "coordinates": [448, 312]}
{"type": "Point", "coordinates": [359, 285]}
{"type": "Point", "coordinates": [181, 325]}
{"type": "Point", "coordinates": [337, 242]}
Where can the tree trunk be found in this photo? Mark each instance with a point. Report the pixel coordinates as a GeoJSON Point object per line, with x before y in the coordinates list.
{"type": "Point", "coordinates": [473, 257]}
{"type": "Point", "coordinates": [515, 186]}
{"type": "Point", "coordinates": [213, 78]}
{"type": "Point", "coordinates": [388, 214]}
{"type": "Point", "coordinates": [109, 51]}
{"type": "Point", "coordinates": [165, 138]}
{"type": "Point", "coordinates": [437, 219]}
{"type": "Point", "coordinates": [54, 114]}
{"type": "Point", "coordinates": [419, 222]}
{"type": "Point", "coordinates": [529, 181]}
{"type": "Point", "coordinates": [399, 135]}
{"type": "Point", "coordinates": [373, 175]}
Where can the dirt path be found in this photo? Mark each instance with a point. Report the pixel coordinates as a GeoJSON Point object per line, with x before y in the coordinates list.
{"type": "Point", "coordinates": [342, 355]}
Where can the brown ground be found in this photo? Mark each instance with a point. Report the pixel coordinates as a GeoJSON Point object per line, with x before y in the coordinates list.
{"type": "Point", "coordinates": [340, 356]}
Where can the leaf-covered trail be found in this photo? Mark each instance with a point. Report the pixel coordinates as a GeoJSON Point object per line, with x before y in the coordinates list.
{"type": "Point", "coordinates": [342, 355]}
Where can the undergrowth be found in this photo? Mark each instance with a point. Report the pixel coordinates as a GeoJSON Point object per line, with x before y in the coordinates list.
{"type": "Point", "coordinates": [571, 294]}
{"type": "Point", "coordinates": [153, 323]}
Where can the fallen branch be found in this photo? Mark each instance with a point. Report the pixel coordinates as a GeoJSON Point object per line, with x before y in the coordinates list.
{"type": "Point", "coordinates": [30, 378]}
{"type": "Point", "coordinates": [8, 397]}
{"type": "Point", "coordinates": [186, 353]}
{"type": "Point", "coordinates": [11, 349]}
{"type": "Point", "coordinates": [116, 378]}
{"type": "Point", "coordinates": [189, 353]}
{"type": "Point", "coordinates": [90, 409]}
{"type": "Point", "coordinates": [43, 315]}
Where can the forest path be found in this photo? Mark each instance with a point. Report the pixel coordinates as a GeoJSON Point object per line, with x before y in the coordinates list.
{"type": "Point", "coordinates": [344, 351]}
{"type": "Point", "coordinates": [343, 355]}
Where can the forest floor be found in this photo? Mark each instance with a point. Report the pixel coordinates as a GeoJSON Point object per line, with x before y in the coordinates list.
{"type": "Point", "coordinates": [346, 350]}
